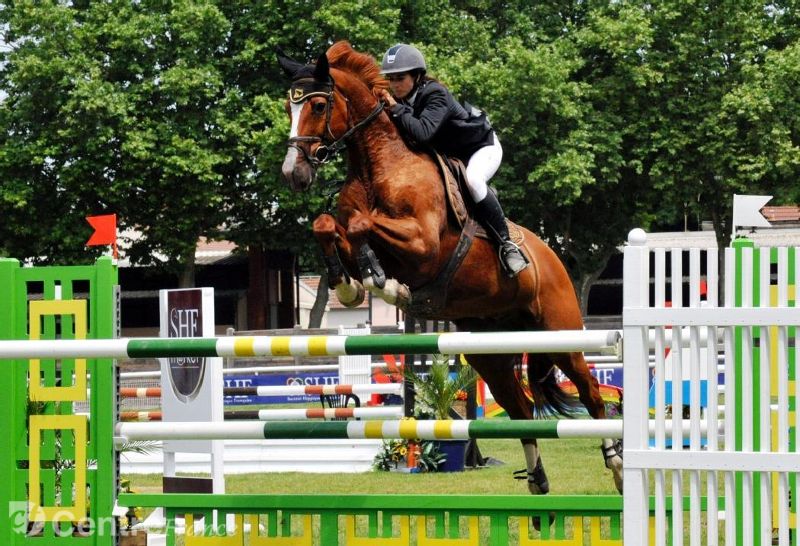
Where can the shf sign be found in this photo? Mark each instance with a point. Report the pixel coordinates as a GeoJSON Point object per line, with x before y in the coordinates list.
{"type": "Point", "coordinates": [184, 313]}
{"type": "Point", "coordinates": [191, 388]}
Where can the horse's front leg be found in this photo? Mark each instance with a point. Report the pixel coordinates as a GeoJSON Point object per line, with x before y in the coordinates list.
{"type": "Point", "coordinates": [331, 235]}
{"type": "Point", "coordinates": [405, 236]}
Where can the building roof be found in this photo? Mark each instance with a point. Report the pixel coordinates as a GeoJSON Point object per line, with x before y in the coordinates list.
{"type": "Point", "coordinates": [763, 237]}
{"type": "Point", "coordinates": [207, 252]}
{"type": "Point", "coordinates": [217, 252]}
{"type": "Point", "coordinates": [782, 214]}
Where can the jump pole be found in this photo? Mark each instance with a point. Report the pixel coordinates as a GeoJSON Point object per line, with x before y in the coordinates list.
{"type": "Point", "coordinates": [283, 414]}
{"type": "Point", "coordinates": [280, 390]}
{"type": "Point", "coordinates": [604, 341]}
{"type": "Point", "coordinates": [377, 429]}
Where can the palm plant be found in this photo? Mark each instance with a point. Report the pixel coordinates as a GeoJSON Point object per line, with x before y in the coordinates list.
{"type": "Point", "coordinates": [437, 390]}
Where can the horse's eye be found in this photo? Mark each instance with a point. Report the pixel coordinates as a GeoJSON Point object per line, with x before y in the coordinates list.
{"type": "Point", "coordinates": [318, 108]}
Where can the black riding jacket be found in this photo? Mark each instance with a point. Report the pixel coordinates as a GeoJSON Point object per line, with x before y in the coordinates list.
{"type": "Point", "coordinates": [437, 120]}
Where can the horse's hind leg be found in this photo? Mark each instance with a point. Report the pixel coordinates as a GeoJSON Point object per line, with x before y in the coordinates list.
{"type": "Point", "coordinates": [499, 374]}
{"type": "Point", "coordinates": [574, 367]}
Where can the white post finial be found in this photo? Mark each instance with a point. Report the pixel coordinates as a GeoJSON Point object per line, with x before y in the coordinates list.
{"type": "Point", "coordinates": [747, 211]}
{"type": "Point", "coordinates": [637, 237]}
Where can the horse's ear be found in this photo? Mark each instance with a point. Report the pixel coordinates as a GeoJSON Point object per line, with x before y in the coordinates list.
{"type": "Point", "coordinates": [290, 66]}
{"type": "Point", "coordinates": [322, 71]}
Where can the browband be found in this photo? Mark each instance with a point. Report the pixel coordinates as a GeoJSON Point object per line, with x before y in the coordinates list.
{"type": "Point", "coordinates": [304, 88]}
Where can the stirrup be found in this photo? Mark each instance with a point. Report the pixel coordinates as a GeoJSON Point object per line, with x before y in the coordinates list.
{"type": "Point", "coordinates": [512, 258]}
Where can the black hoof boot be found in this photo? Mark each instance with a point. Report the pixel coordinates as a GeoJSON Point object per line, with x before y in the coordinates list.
{"type": "Point", "coordinates": [536, 521]}
{"type": "Point", "coordinates": [369, 266]}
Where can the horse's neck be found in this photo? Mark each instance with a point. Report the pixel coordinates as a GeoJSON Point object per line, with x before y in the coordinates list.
{"type": "Point", "coordinates": [377, 153]}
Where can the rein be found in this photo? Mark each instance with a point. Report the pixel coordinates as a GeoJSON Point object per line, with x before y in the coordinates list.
{"type": "Point", "coordinates": [326, 152]}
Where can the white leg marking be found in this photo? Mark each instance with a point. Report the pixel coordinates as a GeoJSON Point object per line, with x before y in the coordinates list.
{"type": "Point", "coordinates": [614, 464]}
{"type": "Point", "coordinates": [393, 292]}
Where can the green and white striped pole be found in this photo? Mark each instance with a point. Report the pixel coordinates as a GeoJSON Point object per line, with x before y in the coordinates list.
{"type": "Point", "coordinates": [376, 429]}
{"type": "Point", "coordinates": [604, 341]}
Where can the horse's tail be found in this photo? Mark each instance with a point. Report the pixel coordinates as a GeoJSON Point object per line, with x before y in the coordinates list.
{"type": "Point", "coordinates": [549, 399]}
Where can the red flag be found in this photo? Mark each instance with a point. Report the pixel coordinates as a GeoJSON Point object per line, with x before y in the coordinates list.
{"type": "Point", "coordinates": [105, 230]}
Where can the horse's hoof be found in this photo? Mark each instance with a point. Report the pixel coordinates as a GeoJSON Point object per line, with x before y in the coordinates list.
{"type": "Point", "coordinates": [618, 482]}
{"type": "Point", "coordinates": [350, 294]}
{"type": "Point", "coordinates": [393, 292]}
{"type": "Point", "coordinates": [399, 293]}
{"type": "Point", "coordinates": [536, 521]}
{"type": "Point", "coordinates": [537, 480]}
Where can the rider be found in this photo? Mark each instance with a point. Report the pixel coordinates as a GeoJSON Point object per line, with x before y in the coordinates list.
{"type": "Point", "coordinates": [425, 111]}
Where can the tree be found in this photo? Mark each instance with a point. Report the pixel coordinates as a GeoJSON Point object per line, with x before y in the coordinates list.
{"type": "Point", "coordinates": [169, 114]}
{"type": "Point", "coordinates": [704, 52]}
{"type": "Point", "coordinates": [611, 115]}
{"type": "Point", "coordinates": [563, 84]}
{"type": "Point", "coordinates": [117, 107]}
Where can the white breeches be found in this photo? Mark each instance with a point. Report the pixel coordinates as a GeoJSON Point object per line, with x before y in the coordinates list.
{"type": "Point", "coordinates": [481, 168]}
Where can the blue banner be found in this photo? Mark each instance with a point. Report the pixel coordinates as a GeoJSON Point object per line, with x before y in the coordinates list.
{"type": "Point", "coordinates": [605, 376]}
{"type": "Point", "coordinates": [283, 379]}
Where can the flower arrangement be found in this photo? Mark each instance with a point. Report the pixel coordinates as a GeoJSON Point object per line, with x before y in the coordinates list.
{"type": "Point", "coordinates": [395, 454]}
{"type": "Point", "coordinates": [392, 453]}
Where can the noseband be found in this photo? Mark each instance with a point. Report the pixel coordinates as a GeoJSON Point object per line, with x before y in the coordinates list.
{"type": "Point", "coordinates": [325, 151]}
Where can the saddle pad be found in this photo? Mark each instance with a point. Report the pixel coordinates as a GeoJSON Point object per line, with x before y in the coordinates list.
{"type": "Point", "coordinates": [452, 171]}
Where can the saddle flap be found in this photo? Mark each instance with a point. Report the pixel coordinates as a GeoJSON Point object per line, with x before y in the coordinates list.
{"type": "Point", "coordinates": [455, 182]}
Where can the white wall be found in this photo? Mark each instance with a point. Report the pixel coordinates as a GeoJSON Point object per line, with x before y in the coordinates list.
{"type": "Point", "coordinates": [337, 315]}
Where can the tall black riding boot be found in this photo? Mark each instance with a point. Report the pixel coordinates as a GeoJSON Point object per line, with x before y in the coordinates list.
{"type": "Point", "coordinates": [490, 214]}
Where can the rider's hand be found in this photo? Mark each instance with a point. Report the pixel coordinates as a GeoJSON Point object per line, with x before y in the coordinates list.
{"type": "Point", "coordinates": [388, 98]}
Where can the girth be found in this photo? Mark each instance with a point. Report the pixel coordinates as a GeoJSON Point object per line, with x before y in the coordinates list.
{"type": "Point", "coordinates": [427, 301]}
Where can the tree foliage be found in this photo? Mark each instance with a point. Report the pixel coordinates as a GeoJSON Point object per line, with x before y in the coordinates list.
{"type": "Point", "coordinates": [612, 115]}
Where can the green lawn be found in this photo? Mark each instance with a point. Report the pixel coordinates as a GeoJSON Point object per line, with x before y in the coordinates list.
{"type": "Point", "coordinates": [573, 467]}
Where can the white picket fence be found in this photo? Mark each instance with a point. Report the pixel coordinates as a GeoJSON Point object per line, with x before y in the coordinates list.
{"type": "Point", "coordinates": [748, 472]}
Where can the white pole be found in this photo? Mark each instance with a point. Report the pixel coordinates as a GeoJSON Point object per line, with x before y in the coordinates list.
{"type": "Point", "coordinates": [636, 288]}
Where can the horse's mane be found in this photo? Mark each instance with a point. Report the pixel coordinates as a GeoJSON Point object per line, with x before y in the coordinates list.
{"type": "Point", "coordinates": [341, 55]}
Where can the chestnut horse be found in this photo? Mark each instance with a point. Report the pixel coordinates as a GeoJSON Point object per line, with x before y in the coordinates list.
{"type": "Point", "coordinates": [393, 217]}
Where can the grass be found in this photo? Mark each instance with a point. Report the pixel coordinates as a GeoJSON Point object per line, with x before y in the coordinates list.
{"type": "Point", "coordinates": [572, 466]}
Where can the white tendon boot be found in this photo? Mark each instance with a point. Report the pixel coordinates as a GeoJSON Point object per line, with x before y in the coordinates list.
{"type": "Point", "coordinates": [393, 292]}
{"type": "Point", "coordinates": [350, 294]}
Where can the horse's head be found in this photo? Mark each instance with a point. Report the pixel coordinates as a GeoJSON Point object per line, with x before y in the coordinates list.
{"type": "Point", "coordinates": [323, 112]}
{"type": "Point", "coordinates": [316, 116]}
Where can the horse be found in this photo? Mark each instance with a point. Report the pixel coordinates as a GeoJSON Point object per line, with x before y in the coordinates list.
{"type": "Point", "coordinates": [393, 236]}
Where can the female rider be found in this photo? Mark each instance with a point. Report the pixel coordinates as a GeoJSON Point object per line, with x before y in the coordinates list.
{"type": "Point", "coordinates": [426, 113]}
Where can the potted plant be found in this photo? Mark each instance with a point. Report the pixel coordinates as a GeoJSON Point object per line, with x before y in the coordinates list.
{"type": "Point", "coordinates": [435, 393]}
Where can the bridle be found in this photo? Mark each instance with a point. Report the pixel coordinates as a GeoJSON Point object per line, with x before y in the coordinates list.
{"type": "Point", "coordinates": [306, 88]}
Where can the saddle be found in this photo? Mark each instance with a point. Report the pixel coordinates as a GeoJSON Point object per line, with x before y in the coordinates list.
{"type": "Point", "coordinates": [428, 300]}
{"type": "Point", "coordinates": [459, 201]}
